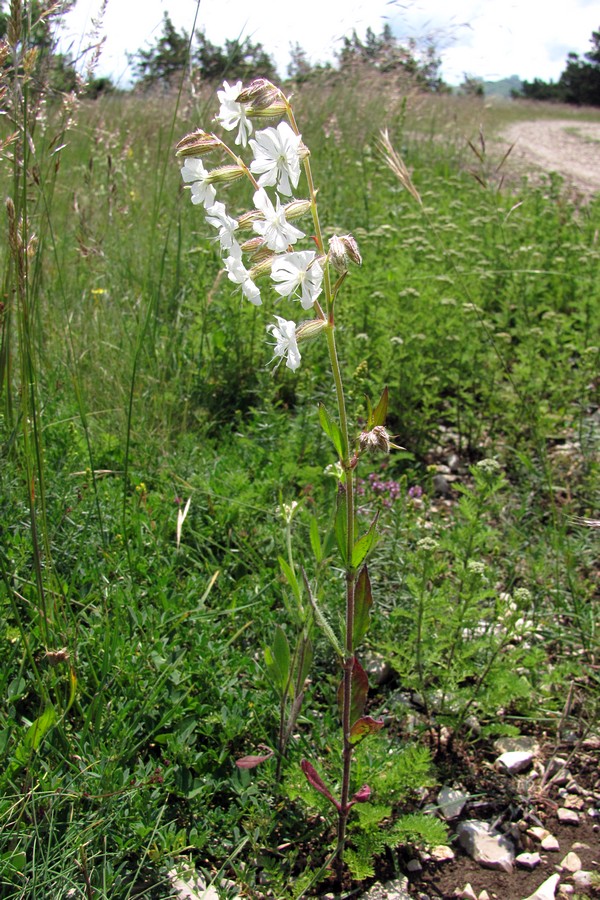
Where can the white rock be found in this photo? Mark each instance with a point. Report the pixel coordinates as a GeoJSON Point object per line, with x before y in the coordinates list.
{"type": "Point", "coordinates": [494, 851]}
{"type": "Point", "coordinates": [484, 896]}
{"type": "Point", "coordinates": [571, 862]}
{"type": "Point", "coordinates": [451, 802]}
{"type": "Point", "coordinates": [528, 860]}
{"type": "Point", "coordinates": [413, 865]}
{"type": "Point", "coordinates": [550, 844]}
{"type": "Point", "coordinates": [567, 816]}
{"type": "Point", "coordinates": [467, 893]}
{"type": "Point", "coordinates": [514, 761]}
{"type": "Point", "coordinates": [538, 833]}
{"type": "Point", "coordinates": [442, 852]}
{"type": "Point", "coordinates": [565, 890]}
{"type": "Point", "coordinates": [582, 879]}
{"type": "Point", "coordinates": [547, 890]}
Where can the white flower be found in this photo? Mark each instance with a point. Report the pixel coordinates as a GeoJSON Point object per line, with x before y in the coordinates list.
{"type": "Point", "coordinates": [277, 158]}
{"type": "Point", "coordinates": [217, 216]}
{"type": "Point", "coordinates": [202, 192]}
{"type": "Point", "coordinates": [298, 270]}
{"type": "Point", "coordinates": [233, 114]}
{"type": "Point", "coordinates": [286, 345]}
{"type": "Point", "coordinates": [275, 229]}
{"type": "Point", "coordinates": [238, 273]}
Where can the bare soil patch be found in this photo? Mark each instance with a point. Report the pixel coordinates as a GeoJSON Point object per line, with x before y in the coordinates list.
{"type": "Point", "coordinates": [566, 146]}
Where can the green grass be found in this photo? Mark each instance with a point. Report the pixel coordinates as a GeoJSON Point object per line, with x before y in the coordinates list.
{"type": "Point", "coordinates": [148, 384]}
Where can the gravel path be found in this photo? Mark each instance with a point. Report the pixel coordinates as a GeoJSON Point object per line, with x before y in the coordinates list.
{"type": "Point", "coordinates": [566, 146]}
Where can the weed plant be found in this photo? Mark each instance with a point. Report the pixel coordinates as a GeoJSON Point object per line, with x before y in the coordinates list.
{"type": "Point", "coordinates": [132, 668]}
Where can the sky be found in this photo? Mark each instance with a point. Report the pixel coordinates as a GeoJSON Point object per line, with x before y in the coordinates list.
{"type": "Point", "coordinates": [490, 39]}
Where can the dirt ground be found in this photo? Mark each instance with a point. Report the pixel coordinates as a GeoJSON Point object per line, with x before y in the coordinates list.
{"type": "Point", "coordinates": [566, 146]}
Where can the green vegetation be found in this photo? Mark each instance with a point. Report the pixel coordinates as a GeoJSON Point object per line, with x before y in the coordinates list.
{"type": "Point", "coordinates": [579, 83]}
{"type": "Point", "coordinates": [132, 378]}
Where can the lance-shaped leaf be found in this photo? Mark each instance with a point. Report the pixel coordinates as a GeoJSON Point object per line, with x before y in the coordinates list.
{"type": "Point", "coordinates": [277, 659]}
{"type": "Point", "coordinates": [341, 523]}
{"type": "Point", "coordinates": [304, 658]}
{"type": "Point", "coordinates": [360, 689]}
{"type": "Point", "coordinates": [315, 541]}
{"type": "Point", "coordinates": [363, 601]}
{"type": "Point", "coordinates": [365, 544]}
{"type": "Point", "coordinates": [290, 577]}
{"type": "Point", "coordinates": [251, 762]}
{"type": "Point", "coordinates": [364, 726]}
{"type": "Point", "coordinates": [315, 780]}
{"type": "Point", "coordinates": [331, 429]}
{"type": "Point", "coordinates": [380, 411]}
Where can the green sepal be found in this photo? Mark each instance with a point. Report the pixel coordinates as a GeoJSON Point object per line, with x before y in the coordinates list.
{"type": "Point", "coordinates": [378, 415]}
{"type": "Point", "coordinates": [331, 429]}
{"type": "Point", "coordinates": [363, 601]}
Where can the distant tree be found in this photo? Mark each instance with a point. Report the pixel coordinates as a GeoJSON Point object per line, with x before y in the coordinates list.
{"type": "Point", "coordinates": [169, 56]}
{"type": "Point", "coordinates": [472, 86]}
{"type": "Point", "coordinates": [578, 84]}
{"type": "Point", "coordinates": [580, 81]}
{"type": "Point", "coordinates": [299, 67]}
{"type": "Point", "coordinates": [386, 53]}
{"type": "Point", "coordinates": [174, 53]}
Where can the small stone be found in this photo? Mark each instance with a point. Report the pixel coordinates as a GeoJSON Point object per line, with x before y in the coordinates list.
{"type": "Point", "coordinates": [413, 866]}
{"type": "Point", "coordinates": [467, 893]}
{"type": "Point", "coordinates": [567, 816]}
{"type": "Point", "coordinates": [451, 802]}
{"type": "Point", "coordinates": [509, 744]}
{"type": "Point", "coordinates": [494, 851]}
{"type": "Point", "coordinates": [565, 890]}
{"type": "Point", "coordinates": [572, 801]}
{"type": "Point", "coordinates": [556, 771]}
{"type": "Point", "coordinates": [550, 844]}
{"type": "Point", "coordinates": [579, 845]}
{"type": "Point", "coordinates": [547, 890]}
{"type": "Point", "coordinates": [582, 879]}
{"type": "Point", "coordinates": [484, 896]}
{"type": "Point", "coordinates": [571, 862]}
{"type": "Point", "coordinates": [538, 833]}
{"type": "Point", "coordinates": [442, 853]}
{"type": "Point", "coordinates": [514, 761]}
{"type": "Point", "coordinates": [528, 860]}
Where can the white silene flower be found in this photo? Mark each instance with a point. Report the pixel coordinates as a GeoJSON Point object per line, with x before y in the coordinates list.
{"type": "Point", "coordinates": [238, 273]}
{"type": "Point", "coordinates": [193, 172]}
{"type": "Point", "coordinates": [298, 270]}
{"type": "Point", "coordinates": [277, 158]}
{"type": "Point", "coordinates": [286, 345]}
{"type": "Point", "coordinates": [233, 114]}
{"type": "Point", "coordinates": [275, 229]}
{"type": "Point", "coordinates": [216, 215]}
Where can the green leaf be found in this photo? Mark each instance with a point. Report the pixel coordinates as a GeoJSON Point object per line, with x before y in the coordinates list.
{"type": "Point", "coordinates": [331, 429]}
{"type": "Point", "coordinates": [364, 545]}
{"type": "Point", "coordinates": [277, 659]}
{"type": "Point", "coordinates": [380, 412]}
{"type": "Point", "coordinates": [305, 658]}
{"type": "Point", "coordinates": [290, 577]}
{"type": "Point", "coordinates": [30, 743]}
{"type": "Point", "coordinates": [363, 601]}
{"type": "Point", "coordinates": [360, 689]}
{"type": "Point", "coordinates": [364, 726]}
{"type": "Point", "coordinates": [315, 541]}
{"type": "Point", "coordinates": [341, 524]}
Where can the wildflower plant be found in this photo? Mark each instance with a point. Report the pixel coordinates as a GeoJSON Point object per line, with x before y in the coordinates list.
{"type": "Point", "coordinates": [269, 243]}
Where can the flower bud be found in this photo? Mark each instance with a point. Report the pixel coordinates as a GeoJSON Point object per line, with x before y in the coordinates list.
{"type": "Point", "coordinates": [225, 174]}
{"type": "Point", "coordinates": [297, 208]}
{"type": "Point", "coordinates": [262, 266]}
{"type": "Point", "coordinates": [376, 439]}
{"type": "Point", "coordinates": [343, 250]}
{"type": "Point", "coordinates": [198, 142]}
{"type": "Point", "coordinates": [260, 93]}
{"type": "Point", "coordinates": [306, 331]}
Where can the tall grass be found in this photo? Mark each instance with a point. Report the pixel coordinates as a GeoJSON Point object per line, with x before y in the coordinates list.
{"type": "Point", "coordinates": [132, 379]}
